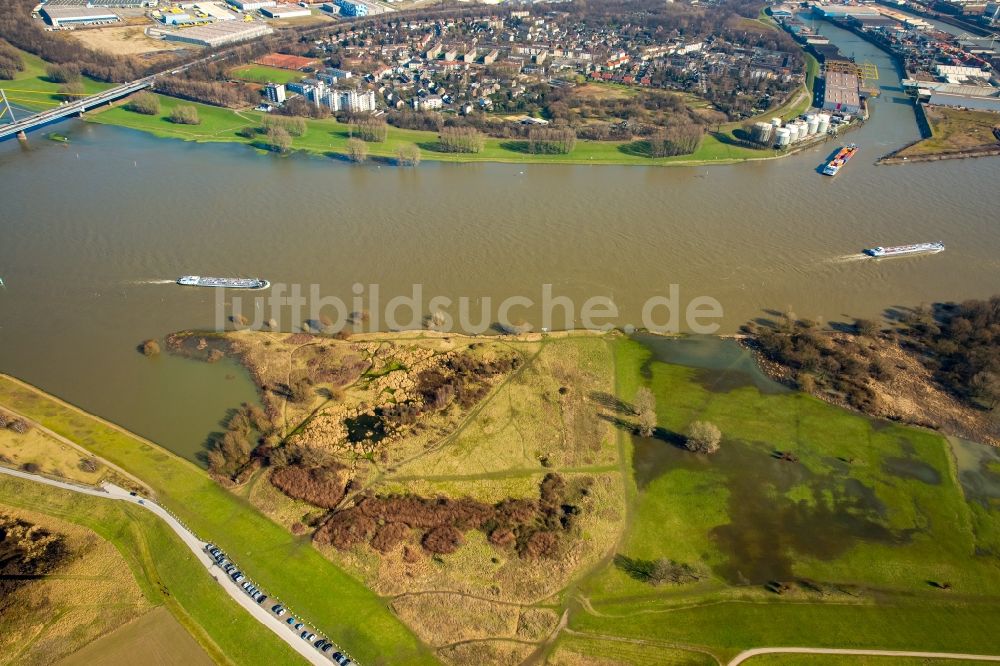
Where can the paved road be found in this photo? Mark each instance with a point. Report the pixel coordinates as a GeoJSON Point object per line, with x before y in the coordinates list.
{"type": "Point", "coordinates": [111, 491]}
{"type": "Point", "coordinates": [747, 654]}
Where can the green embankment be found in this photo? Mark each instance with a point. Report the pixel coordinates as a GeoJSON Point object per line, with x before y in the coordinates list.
{"type": "Point", "coordinates": [167, 572]}
{"type": "Point", "coordinates": [289, 568]}
{"type": "Point", "coordinates": [328, 137]}
{"type": "Point", "coordinates": [31, 88]}
{"type": "Point", "coordinates": [873, 511]}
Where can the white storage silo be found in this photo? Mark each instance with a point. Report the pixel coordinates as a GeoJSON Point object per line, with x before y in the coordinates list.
{"type": "Point", "coordinates": [761, 133]}
{"type": "Point", "coordinates": [775, 122]}
{"type": "Point", "coordinates": [823, 125]}
{"type": "Point", "coordinates": [782, 136]}
{"type": "Point", "coordinates": [812, 123]}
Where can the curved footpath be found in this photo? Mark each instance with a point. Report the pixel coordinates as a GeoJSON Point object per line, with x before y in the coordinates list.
{"type": "Point", "coordinates": [747, 654]}
{"type": "Point", "coordinates": [113, 492]}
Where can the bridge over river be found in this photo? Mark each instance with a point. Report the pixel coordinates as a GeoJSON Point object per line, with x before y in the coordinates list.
{"type": "Point", "coordinates": [67, 109]}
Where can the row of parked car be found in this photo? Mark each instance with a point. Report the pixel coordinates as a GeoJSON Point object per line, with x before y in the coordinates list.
{"type": "Point", "coordinates": [321, 644]}
{"type": "Point", "coordinates": [233, 572]}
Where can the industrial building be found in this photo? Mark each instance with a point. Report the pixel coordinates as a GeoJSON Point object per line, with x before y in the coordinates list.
{"type": "Point", "coordinates": [123, 4]}
{"type": "Point", "coordinates": [252, 5]}
{"type": "Point", "coordinates": [71, 17]}
{"type": "Point", "coordinates": [221, 33]}
{"type": "Point", "coordinates": [351, 8]}
{"type": "Point", "coordinates": [965, 102]}
{"type": "Point", "coordinates": [841, 92]}
{"type": "Point", "coordinates": [275, 93]}
{"type": "Point", "coordinates": [359, 8]}
{"type": "Point", "coordinates": [285, 12]}
{"type": "Point", "coordinates": [215, 11]}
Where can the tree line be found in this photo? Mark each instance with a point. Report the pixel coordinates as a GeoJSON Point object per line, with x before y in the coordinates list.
{"type": "Point", "coordinates": [10, 61]}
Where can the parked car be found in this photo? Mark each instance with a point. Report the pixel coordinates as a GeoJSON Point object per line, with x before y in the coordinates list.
{"type": "Point", "coordinates": [327, 647]}
{"type": "Point", "coordinates": [290, 620]}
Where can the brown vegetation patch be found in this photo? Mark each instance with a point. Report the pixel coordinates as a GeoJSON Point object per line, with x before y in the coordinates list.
{"type": "Point", "coordinates": [321, 486]}
{"type": "Point", "coordinates": [534, 529]}
{"type": "Point", "coordinates": [388, 536]}
{"type": "Point", "coordinates": [442, 540]}
{"type": "Point", "coordinates": [940, 368]}
{"type": "Point", "coordinates": [26, 551]}
{"type": "Point", "coordinates": [285, 61]}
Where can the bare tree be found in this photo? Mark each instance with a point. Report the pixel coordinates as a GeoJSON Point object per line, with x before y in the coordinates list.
{"type": "Point", "coordinates": [408, 155]}
{"type": "Point", "coordinates": [357, 150]}
{"type": "Point", "coordinates": [703, 437]}
{"type": "Point", "coordinates": [645, 409]}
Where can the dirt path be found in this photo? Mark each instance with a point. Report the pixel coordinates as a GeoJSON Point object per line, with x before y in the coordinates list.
{"type": "Point", "coordinates": [748, 654]}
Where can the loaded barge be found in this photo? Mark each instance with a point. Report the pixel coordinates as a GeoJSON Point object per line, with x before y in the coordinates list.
{"type": "Point", "coordinates": [904, 250]}
{"type": "Point", "coordinates": [223, 283]}
{"type": "Point", "coordinates": [839, 160]}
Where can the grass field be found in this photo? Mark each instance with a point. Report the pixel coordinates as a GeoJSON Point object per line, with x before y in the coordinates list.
{"type": "Point", "coordinates": [331, 600]}
{"type": "Point", "coordinates": [584, 650]}
{"type": "Point", "coordinates": [49, 454]}
{"type": "Point", "coordinates": [156, 635]}
{"type": "Point", "coordinates": [264, 74]}
{"type": "Point", "coordinates": [955, 130]}
{"type": "Point", "coordinates": [165, 571]}
{"type": "Point", "coordinates": [869, 516]}
{"type": "Point", "coordinates": [88, 595]}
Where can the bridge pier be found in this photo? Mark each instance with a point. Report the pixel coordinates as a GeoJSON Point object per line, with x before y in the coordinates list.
{"type": "Point", "coordinates": [22, 137]}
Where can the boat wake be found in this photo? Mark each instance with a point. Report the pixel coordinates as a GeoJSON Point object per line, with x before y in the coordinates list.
{"type": "Point", "coordinates": [846, 259]}
{"type": "Point", "coordinates": [152, 281]}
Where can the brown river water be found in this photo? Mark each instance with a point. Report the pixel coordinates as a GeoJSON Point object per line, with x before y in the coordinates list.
{"type": "Point", "coordinates": [92, 234]}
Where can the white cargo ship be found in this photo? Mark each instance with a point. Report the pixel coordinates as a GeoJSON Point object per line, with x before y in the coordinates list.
{"type": "Point", "coordinates": [904, 250]}
{"type": "Point", "coordinates": [223, 283]}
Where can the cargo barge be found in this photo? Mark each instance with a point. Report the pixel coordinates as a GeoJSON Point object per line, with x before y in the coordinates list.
{"type": "Point", "coordinates": [839, 160]}
{"type": "Point", "coordinates": [904, 250]}
{"type": "Point", "coordinates": [223, 283]}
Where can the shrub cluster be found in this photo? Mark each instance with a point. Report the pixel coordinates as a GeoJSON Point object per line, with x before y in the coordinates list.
{"type": "Point", "coordinates": [369, 128]}
{"type": "Point", "coordinates": [293, 125]}
{"type": "Point", "coordinates": [185, 114]}
{"type": "Point", "coordinates": [231, 451]}
{"type": "Point", "coordinates": [961, 345]}
{"type": "Point", "coordinates": [532, 528]}
{"type": "Point", "coordinates": [551, 140]}
{"type": "Point", "coordinates": [324, 486]}
{"type": "Point", "coordinates": [144, 103]}
{"type": "Point", "coordinates": [679, 139]}
{"type": "Point", "coordinates": [461, 140]}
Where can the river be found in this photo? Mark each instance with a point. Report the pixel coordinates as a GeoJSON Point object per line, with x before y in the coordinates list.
{"type": "Point", "coordinates": [94, 230]}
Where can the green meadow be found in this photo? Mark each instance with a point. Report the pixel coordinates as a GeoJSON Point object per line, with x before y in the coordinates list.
{"type": "Point", "coordinates": [866, 524]}
{"type": "Point", "coordinates": [265, 74]}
